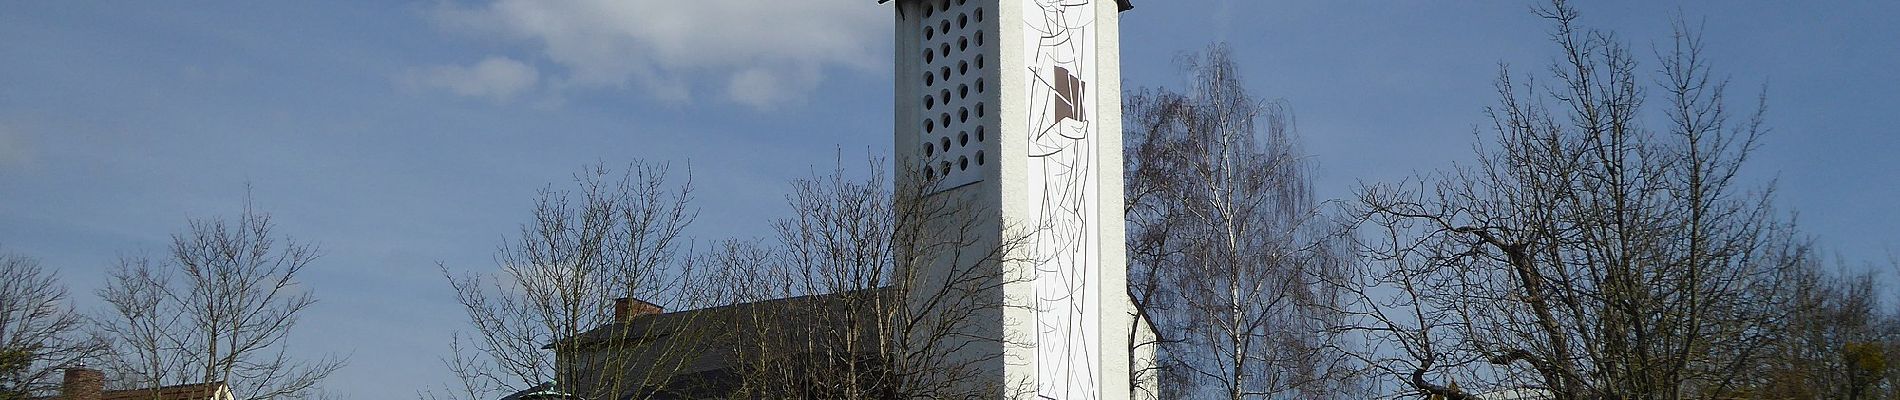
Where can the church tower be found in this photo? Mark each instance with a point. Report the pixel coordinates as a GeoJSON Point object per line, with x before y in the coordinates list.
{"type": "Point", "coordinates": [1016, 105]}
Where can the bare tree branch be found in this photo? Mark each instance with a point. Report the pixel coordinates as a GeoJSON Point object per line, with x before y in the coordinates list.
{"type": "Point", "coordinates": [219, 308]}
{"type": "Point", "coordinates": [40, 334]}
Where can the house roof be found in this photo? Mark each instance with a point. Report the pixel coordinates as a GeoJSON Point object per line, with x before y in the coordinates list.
{"type": "Point", "coordinates": [544, 391]}
{"type": "Point", "coordinates": [196, 391]}
{"type": "Point", "coordinates": [1125, 4]}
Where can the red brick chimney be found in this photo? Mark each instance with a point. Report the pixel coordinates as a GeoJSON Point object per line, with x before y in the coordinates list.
{"type": "Point", "coordinates": [82, 384]}
{"type": "Point", "coordinates": [627, 308]}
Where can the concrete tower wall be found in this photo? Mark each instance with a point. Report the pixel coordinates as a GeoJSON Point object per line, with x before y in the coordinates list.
{"type": "Point", "coordinates": [1014, 108]}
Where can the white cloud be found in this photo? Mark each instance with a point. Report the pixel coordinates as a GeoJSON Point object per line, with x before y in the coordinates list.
{"type": "Point", "coordinates": [762, 52]}
{"type": "Point", "coordinates": [497, 78]}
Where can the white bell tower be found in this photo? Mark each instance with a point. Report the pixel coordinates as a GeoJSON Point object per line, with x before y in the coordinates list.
{"type": "Point", "coordinates": [1017, 104]}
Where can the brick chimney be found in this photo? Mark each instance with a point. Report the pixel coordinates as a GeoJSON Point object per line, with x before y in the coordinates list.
{"type": "Point", "coordinates": [627, 308]}
{"type": "Point", "coordinates": [82, 384]}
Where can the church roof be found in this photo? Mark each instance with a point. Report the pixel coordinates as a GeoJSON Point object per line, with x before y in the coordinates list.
{"type": "Point", "coordinates": [669, 323]}
{"type": "Point", "coordinates": [676, 325]}
{"type": "Point", "coordinates": [696, 353]}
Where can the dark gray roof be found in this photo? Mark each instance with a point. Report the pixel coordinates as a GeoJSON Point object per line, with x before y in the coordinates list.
{"type": "Point", "coordinates": [655, 326]}
{"type": "Point", "coordinates": [707, 330]}
{"type": "Point", "coordinates": [696, 350]}
{"type": "Point", "coordinates": [543, 391]}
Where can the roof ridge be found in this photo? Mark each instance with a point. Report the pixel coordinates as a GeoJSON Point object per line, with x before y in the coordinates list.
{"type": "Point", "coordinates": [211, 383]}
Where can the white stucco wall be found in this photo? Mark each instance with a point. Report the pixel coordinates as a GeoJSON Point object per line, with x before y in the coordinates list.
{"type": "Point", "coordinates": [1042, 85]}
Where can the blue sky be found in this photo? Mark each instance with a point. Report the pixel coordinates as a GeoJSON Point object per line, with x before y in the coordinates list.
{"type": "Point", "coordinates": [397, 135]}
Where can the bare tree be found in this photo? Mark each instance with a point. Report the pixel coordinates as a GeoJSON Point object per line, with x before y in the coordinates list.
{"type": "Point", "coordinates": [40, 334]}
{"type": "Point", "coordinates": [616, 234]}
{"type": "Point", "coordinates": [885, 292]}
{"type": "Point", "coordinates": [220, 308]}
{"type": "Point", "coordinates": [1587, 253]}
{"type": "Point", "coordinates": [1228, 243]}
{"type": "Point", "coordinates": [1838, 342]}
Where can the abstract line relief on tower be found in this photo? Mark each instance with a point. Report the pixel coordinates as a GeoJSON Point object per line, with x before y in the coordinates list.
{"type": "Point", "coordinates": [1061, 140]}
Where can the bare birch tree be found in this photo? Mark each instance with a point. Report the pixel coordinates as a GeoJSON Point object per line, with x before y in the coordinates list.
{"type": "Point", "coordinates": [220, 308]}
{"type": "Point", "coordinates": [615, 234]}
{"type": "Point", "coordinates": [40, 334]}
{"type": "Point", "coordinates": [1589, 252]}
{"type": "Point", "coordinates": [1229, 248]}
